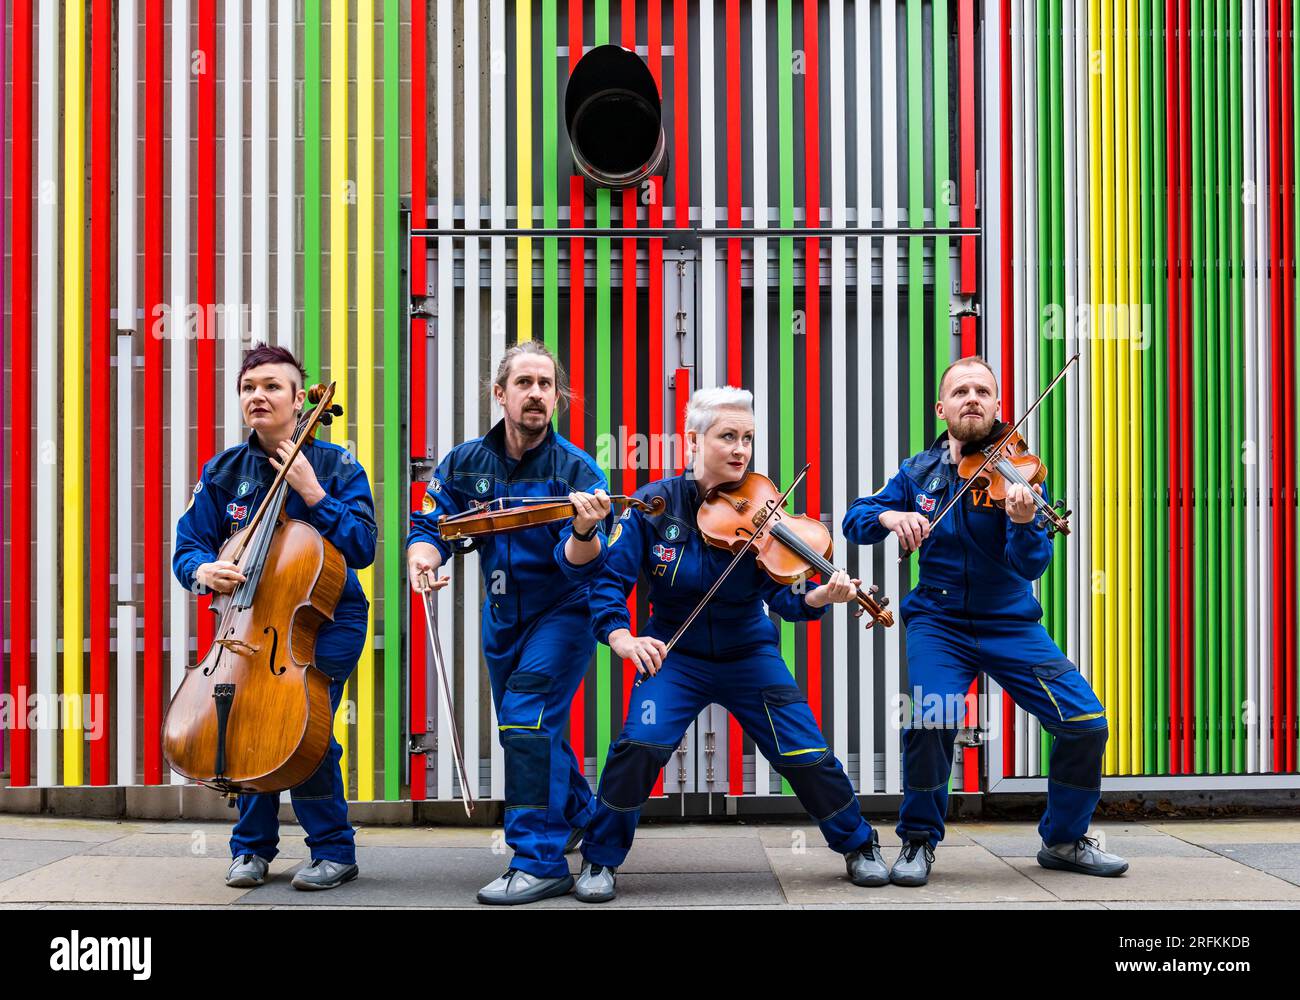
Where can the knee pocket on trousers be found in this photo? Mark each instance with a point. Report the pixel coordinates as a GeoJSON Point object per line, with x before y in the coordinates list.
{"type": "Point", "coordinates": [795, 734]}
{"type": "Point", "coordinates": [822, 787]}
{"type": "Point", "coordinates": [524, 703]}
{"type": "Point", "coordinates": [1077, 757]}
{"type": "Point", "coordinates": [1071, 696]}
{"type": "Point", "coordinates": [321, 783]}
{"type": "Point", "coordinates": [928, 758]}
{"type": "Point", "coordinates": [528, 769]}
{"type": "Point", "coordinates": [630, 773]}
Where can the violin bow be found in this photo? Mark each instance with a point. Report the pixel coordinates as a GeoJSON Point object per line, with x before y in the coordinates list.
{"type": "Point", "coordinates": [444, 685]}
{"type": "Point", "coordinates": [735, 559]}
{"type": "Point", "coordinates": [992, 452]}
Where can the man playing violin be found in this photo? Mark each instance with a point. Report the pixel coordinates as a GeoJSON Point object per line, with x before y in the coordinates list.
{"type": "Point", "coordinates": [329, 490]}
{"type": "Point", "coordinates": [536, 639]}
{"type": "Point", "coordinates": [729, 655]}
{"type": "Point", "coordinates": [973, 610]}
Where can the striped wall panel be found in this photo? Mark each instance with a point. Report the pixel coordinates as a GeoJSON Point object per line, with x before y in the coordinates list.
{"type": "Point", "coordinates": [1137, 202]}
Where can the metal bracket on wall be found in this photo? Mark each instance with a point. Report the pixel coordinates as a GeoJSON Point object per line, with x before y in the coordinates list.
{"type": "Point", "coordinates": [422, 469]}
{"type": "Point", "coordinates": [424, 307]}
{"type": "Point", "coordinates": [962, 305]}
{"type": "Point", "coordinates": [425, 743]}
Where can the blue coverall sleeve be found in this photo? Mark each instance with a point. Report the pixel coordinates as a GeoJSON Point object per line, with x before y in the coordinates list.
{"type": "Point", "coordinates": [424, 524]}
{"type": "Point", "coordinates": [583, 573]}
{"type": "Point", "coordinates": [347, 519]}
{"type": "Point", "coordinates": [862, 520]}
{"type": "Point", "coordinates": [1029, 549]}
{"type": "Point", "coordinates": [788, 602]}
{"type": "Point", "coordinates": [198, 534]}
{"type": "Point", "coordinates": [610, 587]}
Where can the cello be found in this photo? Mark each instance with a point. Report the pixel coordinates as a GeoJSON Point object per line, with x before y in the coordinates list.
{"type": "Point", "coordinates": [253, 715]}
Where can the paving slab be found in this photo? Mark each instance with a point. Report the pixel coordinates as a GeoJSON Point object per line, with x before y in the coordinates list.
{"type": "Point", "coordinates": [87, 831]}
{"type": "Point", "coordinates": [20, 856]}
{"type": "Point", "coordinates": [963, 875]}
{"type": "Point", "coordinates": [85, 879]}
{"type": "Point", "coordinates": [1196, 904]}
{"type": "Point", "coordinates": [1266, 857]}
{"type": "Point", "coordinates": [182, 845]}
{"type": "Point", "coordinates": [785, 836]}
{"type": "Point", "coordinates": [1165, 879]}
{"type": "Point", "coordinates": [1233, 831]}
{"type": "Point", "coordinates": [1291, 875]}
{"type": "Point", "coordinates": [680, 855]}
{"type": "Point", "coordinates": [438, 836]}
{"type": "Point", "coordinates": [1156, 846]}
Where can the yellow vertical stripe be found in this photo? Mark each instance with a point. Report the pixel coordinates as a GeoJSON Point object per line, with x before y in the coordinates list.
{"type": "Point", "coordinates": [74, 304]}
{"type": "Point", "coordinates": [1123, 479]}
{"type": "Point", "coordinates": [366, 364]}
{"type": "Point", "coordinates": [1096, 278]}
{"type": "Point", "coordinates": [338, 364]}
{"type": "Point", "coordinates": [1107, 401]}
{"type": "Point", "coordinates": [524, 158]}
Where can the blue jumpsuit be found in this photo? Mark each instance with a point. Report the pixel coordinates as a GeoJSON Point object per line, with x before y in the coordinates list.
{"type": "Point", "coordinates": [225, 500]}
{"type": "Point", "coordinates": [536, 639]}
{"type": "Point", "coordinates": [729, 656]}
{"type": "Point", "coordinates": [974, 609]}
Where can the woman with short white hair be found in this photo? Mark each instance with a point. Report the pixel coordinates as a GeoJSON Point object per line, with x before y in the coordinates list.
{"type": "Point", "coordinates": [729, 655]}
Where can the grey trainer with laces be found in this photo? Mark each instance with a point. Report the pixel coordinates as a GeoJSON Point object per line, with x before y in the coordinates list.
{"type": "Point", "coordinates": [1084, 856]}
{"type": "Point", "coordinates": [912, 868]}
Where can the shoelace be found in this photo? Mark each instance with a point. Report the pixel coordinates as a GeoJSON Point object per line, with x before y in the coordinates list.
{"type": "Point", "coordinates": [1083, 843]}
{"type": "Point", "coordinates": [597, 869]}
{"type": "Point", "coordinates": [909, 852]}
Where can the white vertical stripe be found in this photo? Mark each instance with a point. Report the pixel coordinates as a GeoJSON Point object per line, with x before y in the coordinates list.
{"type": "Point", "coordinates": [1019, 272]}
{"type": "Point", "coordinates": [233, 198]}
{"type": "Point", "coordinates": [285, 143]}
{"type": "Point", "coordinates": [1067, 485]}
{"type": "Point", "coordinates": [497, 120]}
{"type": "Point", "coordinates": [840, 622]}
{"type": "Point", "coordinates": [1082, 520]}
{"type": "Point", "coordinates": [763, 449]}
{"type": "Point", "coordinates": [710, 302]}
{"type": "Point", "coordinates": [864, 300]}
{"type": "Point", "coordinates": [259, 178]}
{"type": "Point", "coordinates": [180, 471]}
{"type": "Point", "coordinates": [893, 584]}
{"type": "Point", "coordinates": [1264, 417]}
{"type": "Point", "coordinates": [445, 126]}
{"type": "Point", "coordinates": [126, 321]}
{"type": "Point", "coordinates": [473, 350]}
{"type": "Point", "coordinates": [1250, 333]}
{"type": "Point", "coordinates": [47, 389]}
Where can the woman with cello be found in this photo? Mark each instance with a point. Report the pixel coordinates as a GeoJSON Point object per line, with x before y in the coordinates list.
{"type": "Point", "coordinates": [328, 490]}
{"type": "Point", "coordinates": [726, 649]}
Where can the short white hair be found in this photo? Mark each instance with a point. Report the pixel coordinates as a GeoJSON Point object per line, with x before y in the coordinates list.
{"type": "Point", "coordinates": [702, 410]}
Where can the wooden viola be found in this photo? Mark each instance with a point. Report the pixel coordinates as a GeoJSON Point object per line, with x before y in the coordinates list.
{"type": "Point", "coordinates": [788, 547]}
{"type": "Point", "coordinates": [253, 715]}
{"type": "Point", "coordinates": [492, 517]}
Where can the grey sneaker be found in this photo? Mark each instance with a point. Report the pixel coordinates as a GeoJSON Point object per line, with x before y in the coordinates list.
{"type": "Point", "coordinates": [866, 866]}
{"type": "Point", "coordinates": [596, 884]}
{"type": "Point", "coordinates": [320, 874]}
{"type": "Point", "coordinates": [247, 872]}
{"type": "Point", "coordinates": [575, 839]}
{"type": "Point", "coordinates": [1084, 856]}
{"type": "Point", "coordinates": [912, 868]}
{"type": "Point", "coordinates": [516, 887]}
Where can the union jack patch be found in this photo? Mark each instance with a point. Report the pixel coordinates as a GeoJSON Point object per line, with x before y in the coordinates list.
{"type": "Point", "coordinates": [237, 511]}
{"type": "Point", "coordinates": [927, 504]}
{"type": "Point", "coordinates": [664, 552]}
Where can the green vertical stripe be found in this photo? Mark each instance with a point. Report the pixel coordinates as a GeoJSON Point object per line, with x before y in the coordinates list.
{"type": "Point", "coordinates": [1044, 148]}
{"type": "Point", "coordinates": [916, 396]}
{"type": "Point", "coordinates": [550, 182]}
{"type": "Point", "coordinates": [311, 159]}
{"type": "Point", "coordinates": [943, 188]}
{"type": "Point", "coordinates": [1223, 411]}
{"type": "Point", "coordinates": [785, 327]}
{"type": "Point", "coordinates": [1213, 318]}
{"type": "Point", "coordinates": [394, 496]}
{"type": "Point", "coordinates": [601, 387]}
{"type": "Point", "coordinates": [1198, 396]}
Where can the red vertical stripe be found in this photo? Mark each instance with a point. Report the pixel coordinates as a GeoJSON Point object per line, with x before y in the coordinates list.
{"type": "Point", "coordinates": [205, 247]}
{"type": "Point", "coordinates": [681, 112]}
{"type": "Point", "coordinates": [101, 38]}
{"type": "Point", "coordinates": [655, 375]}
{"type": "Point", "coordinates": [1286, 277]}
{"type": "Point", "coordinates": [1173, 127]}
{"type": "Point", "coordinates": [1278, 204]}
{"type": "Point", "coordinates": [1185, 395]}
{"type": "Point", "coordinates": [419, 376]}
{"type": "Point", "coordinates": [813, 330]}
{"type": "Point", "coordinates": [154, 557]}
{"type": "Point", "coordinates": [1008, 313]}
{"type": "Point", "coordinates": [577, 371]}
{"type": "Point", "coordinates": [735, 365]}
{"type": "Point", "coordinates": [966, 156]}
{"type": "Point", "coordinates": [20, 524]}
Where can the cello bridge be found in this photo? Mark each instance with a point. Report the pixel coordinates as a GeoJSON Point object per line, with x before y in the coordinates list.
{"type": "Point", "coordinates": [239, 646]}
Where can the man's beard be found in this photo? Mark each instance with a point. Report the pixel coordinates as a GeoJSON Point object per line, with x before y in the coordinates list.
{"type": "Point", "coordinates": [963, 431]}
{"type": "Point", "coordinates": [524, 429]}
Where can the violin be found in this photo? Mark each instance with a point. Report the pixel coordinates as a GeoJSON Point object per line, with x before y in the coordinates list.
{"type": "Point", "coordinates": [1003, 460]}
{"type": "Point", "coordinates": [491, 517]}
{"type": "Point", "coordinates": [750, 514]}
{"type": "Point", "coordinates": [253, 715]}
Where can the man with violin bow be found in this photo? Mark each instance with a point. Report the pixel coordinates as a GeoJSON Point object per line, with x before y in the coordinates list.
{"type": "Point", "coordinates": [974, 609]}
{"type": "Point", "coordinates": [709, 638]}
{"type": "Point", "coordinates": [329, 490]}
{"type": "Point", "coordinates": [534, 504]}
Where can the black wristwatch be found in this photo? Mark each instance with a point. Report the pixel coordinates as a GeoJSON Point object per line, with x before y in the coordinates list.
{"type": "Point", "coordinates": [589, 535]}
